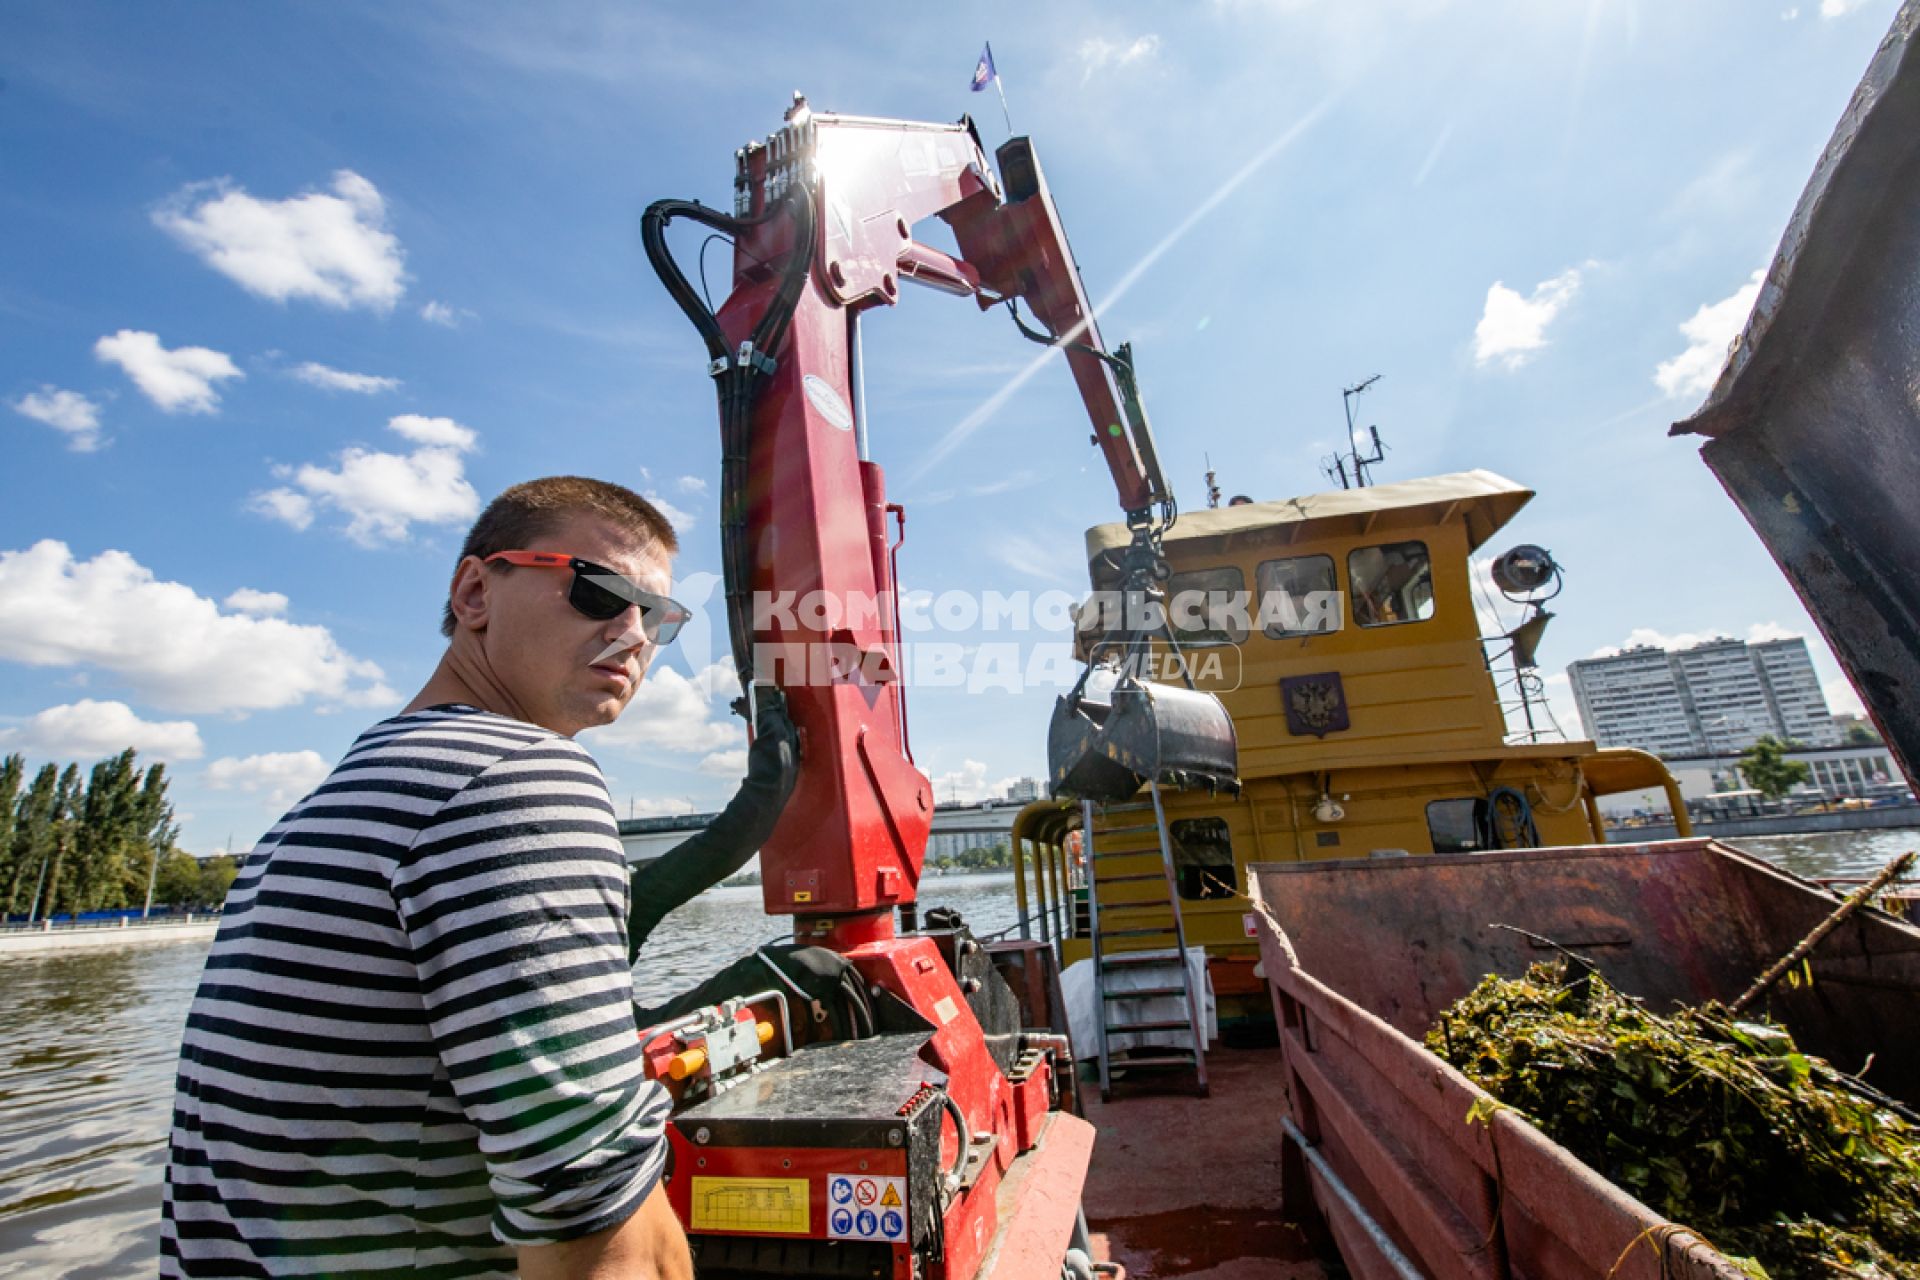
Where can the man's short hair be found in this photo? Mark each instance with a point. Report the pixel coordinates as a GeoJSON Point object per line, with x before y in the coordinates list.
{"type": "Point", "coordinates": [538, 507]}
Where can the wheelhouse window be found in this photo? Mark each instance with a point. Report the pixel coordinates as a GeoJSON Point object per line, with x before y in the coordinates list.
{"type": "Point", "coordinates": [1207, 607]}
{"type": "Point", "coordinates": [1202, 858]}
{"type": "Point", "coordinates": [1457, 826]}
{"type": "Point", "coordinates": [1390, 584]}
{"type": "Point", "coordinates": [1298, 596]}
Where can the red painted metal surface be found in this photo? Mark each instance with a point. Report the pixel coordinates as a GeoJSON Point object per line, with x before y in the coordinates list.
{"type": "Point", "coordinates": [1360, 956]}
{"type": "Point", "coordinates": [1038, 1202]}
{"type": "Point", "coordinates": [913, 969]}
{"type": "Point", "coordinates": [853, 836]}
{"type": "Point", "coordinates": [849, 845]}
{"type": "Point", "coordinates": [1184, 1186]}
{"type": "Point", "coordinates": [815, 1164]}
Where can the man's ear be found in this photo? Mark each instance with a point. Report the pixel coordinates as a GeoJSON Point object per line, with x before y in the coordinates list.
{"type": "Point", "coordinates": [469, 594]}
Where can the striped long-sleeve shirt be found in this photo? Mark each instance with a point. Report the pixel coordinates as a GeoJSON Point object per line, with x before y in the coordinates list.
{"type": "Point", "coordinates": [413, 1045]}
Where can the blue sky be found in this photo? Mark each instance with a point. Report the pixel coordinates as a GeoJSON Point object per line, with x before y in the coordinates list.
{"type": "Point", "coordinates": [286, 290]}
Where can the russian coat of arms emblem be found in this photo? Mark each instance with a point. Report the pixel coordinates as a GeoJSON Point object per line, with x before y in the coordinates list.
{"type": "Point", "coordinates": [1315, 704]}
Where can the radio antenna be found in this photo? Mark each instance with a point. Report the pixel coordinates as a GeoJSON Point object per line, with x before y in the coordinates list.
{"type": "Point", "coordinates": [1348, 465]}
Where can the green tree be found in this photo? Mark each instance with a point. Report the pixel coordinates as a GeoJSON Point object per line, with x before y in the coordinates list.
{"type": "Point", "coordinates": [177, 882]}
{"type": "Point", "coordinates": [1861, 734]}
{"type": "Point", "coordinates": [66, 801]}
{"type": "Point", "coordinates": [216, 877]}
{"type": "Point", "coordinates": [154, 823]}
{"type": "Point", "coordinates": [106, 840]}
{"type": "Point", "coordinates": [33, 842]}
{"type": "Point", "coordinates": [12, 773]}
{"type": "Point", "coordinates": [1767, 770]}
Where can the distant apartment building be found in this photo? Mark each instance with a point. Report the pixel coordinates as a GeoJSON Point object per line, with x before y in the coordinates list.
{"type": "Point", "coordinates": [1716, 698]}
{"type": "Point", "coordinates": [1024, 791]}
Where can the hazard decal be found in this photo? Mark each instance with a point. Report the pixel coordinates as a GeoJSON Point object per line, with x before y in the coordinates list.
{"type": "Point", "coordinates": [863, 1206]}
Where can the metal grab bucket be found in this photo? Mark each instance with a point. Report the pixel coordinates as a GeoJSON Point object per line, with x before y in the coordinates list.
{"type": "Point", "coordinates": [1113, 734]}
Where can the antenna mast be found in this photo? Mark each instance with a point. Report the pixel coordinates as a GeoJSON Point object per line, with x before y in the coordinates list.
{"type": "Point", "coordinates": [1336, 466]}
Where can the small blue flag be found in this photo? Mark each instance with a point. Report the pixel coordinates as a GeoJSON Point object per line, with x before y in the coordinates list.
{"type": "Point", "coordinates": [984, 74]}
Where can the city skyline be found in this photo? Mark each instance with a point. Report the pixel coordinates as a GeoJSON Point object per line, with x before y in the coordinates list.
{"type": "Point", "coordinates": [1715, 697]}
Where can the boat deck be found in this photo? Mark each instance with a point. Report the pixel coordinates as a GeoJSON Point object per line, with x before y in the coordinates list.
{"type": "Point", "coordinates": [1186, 1186]}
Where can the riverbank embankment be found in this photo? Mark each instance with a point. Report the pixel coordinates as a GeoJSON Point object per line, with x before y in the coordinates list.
{"type": "Point", "coordinates": [1792, 824]}
{"type": "Point", "coordinates": [126, 933]}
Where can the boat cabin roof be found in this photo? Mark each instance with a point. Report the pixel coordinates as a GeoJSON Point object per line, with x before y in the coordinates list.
{"type": "Point", "coordinates": [1484, 500]}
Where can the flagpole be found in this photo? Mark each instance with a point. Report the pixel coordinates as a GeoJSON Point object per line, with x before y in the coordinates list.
{"type": "Point", "coordinates": [1001, 89]}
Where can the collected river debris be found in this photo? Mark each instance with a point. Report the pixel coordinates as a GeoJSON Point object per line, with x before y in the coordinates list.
{"type": "Point", "coordinates": [1785, 1164]}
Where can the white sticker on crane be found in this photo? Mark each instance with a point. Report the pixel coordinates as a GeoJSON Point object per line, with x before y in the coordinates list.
{"type": "Point", "coordinates": [828, 401]}
{"type": "Point", "coordinates": [864, 1206]}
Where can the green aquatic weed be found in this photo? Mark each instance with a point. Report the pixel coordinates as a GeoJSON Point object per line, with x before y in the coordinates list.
{"type": "Point", "coordinates": [1717, 1122]}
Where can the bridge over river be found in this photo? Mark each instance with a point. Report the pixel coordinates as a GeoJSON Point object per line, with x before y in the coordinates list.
{"type": "Point", "coordinates": [648, 838]}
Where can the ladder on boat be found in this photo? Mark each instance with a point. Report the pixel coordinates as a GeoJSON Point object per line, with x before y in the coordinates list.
{"type": "Point", "coordinates": [1138, 971]}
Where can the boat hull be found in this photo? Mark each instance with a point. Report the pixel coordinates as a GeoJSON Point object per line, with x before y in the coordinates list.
{"type": "Point", "coordinates": [1361, 956]}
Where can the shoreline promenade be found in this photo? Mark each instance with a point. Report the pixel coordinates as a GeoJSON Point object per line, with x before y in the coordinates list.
{"type": "Point", "coordinates": [45, 939]}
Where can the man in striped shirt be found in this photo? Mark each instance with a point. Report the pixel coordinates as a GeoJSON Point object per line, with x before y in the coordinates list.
{"type": "Point", "coordinates": [413, 1051]}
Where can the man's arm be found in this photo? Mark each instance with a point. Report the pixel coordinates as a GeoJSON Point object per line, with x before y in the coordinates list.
{"type": "Point", "coordinates": [514, 900]}
{"type": "Point", "coordinates": [648, 1246]}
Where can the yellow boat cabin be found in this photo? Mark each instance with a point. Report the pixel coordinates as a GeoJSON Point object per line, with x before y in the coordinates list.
{"type": "Point", "coordinates": [1340, 631]}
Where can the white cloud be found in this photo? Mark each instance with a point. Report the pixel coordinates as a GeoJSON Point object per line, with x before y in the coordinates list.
{"type": "Point", "coordinates": [379, 694]}
{"type": "Point", "coordinates": [1842, 698]}
{"type": "Point", "coordinates": [1487, 599]}
{"type": "Point", "coordinates": [284, 776]}
{"type": "Point", "coordinates": [327, 378]}
{"type": "Point", "coordinates": [680, 520]}
{"type": "Point", "coordinates": [1097, 54]}
{"type": "Point", "coordinates": [67, 411]}
{"type": "Point", "coordinates": [1648, 637]}
{"type": "Point", "coordinates": [1434, 153]}
{"type": "Point", "coordinates": [441, 433]}
{"type": "Point", "coordinates": [1512, 328]}
{"type": "Point", "coordinates": [1038, 557]}
{"type": "Point", "coordinates": [1640, 637]}
{"type": "Point", "coordinates": [382, 494]}
{"type": "Point", "coordinates": [331, 248]}
{"type": "Point", "coordinates": [172, 646]}
{"type": "Point", "coordinates": [727, 764]}
{"type": "Point", "coordinates": [88, 730]}
{"type": "Point", "coordinates": [1565, 711]}
{"type": "Point", "coordinates": [674, 712]}
{"type": "Point", "coordinates": [690, 484]}
{"type": "Point", "coordinates": [284, 505]}
{"type": "Point", "coordinates": [443, 315]}
{"type": "Point", "coordinates": [1839, 8]}
{"type": "Point", "coordinates": [179, 381]}
{"type": "Point", "coordinates": [1708, 333]}
{"type": "Point", "coordinates": [261, 604]}
{"type": "Point", "coordinates": [969, 785]}
{"type": "Point", "coordinates": [648, 807]}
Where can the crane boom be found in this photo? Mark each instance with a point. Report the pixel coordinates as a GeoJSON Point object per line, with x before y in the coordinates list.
{"type": "Point", "coordinates": [823, 231]}
{"type": "Point", "coordinates": [823, 219]}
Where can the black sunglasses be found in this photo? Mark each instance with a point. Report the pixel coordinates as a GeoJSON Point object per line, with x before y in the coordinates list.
{"type": "Point", "coordinates": [600, 593]}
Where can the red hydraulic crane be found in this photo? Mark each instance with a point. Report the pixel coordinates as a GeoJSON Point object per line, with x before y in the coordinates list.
{"type": "Point", "coordinates": [823, 231]}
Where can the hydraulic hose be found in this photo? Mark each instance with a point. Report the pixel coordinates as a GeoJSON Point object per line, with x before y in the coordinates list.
{"type": "Point", "coordinates": [734, 374]}
{"type": "Point", "coordinates": [736, 834]}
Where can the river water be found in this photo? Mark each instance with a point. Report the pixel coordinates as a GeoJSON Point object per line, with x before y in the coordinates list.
{"type": "Point", "coordinates": [88, 1042]}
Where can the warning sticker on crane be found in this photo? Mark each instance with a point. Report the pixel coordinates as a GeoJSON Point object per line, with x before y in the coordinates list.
{"type": "Point", "coordinates": [751, 1204]}
{"type": "Point", "coordinates": [864, 1206]}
